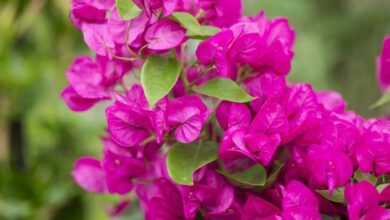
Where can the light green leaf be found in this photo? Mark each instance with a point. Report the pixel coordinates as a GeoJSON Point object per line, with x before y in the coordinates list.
{"type": "Point", "coordinates": [206, 32]}
{"type": "Point", "coordinates": [158, 76]}
{"type": "Point", "coordinates": [337, 196]}
{"type": "Point", "coordinates": [209, 31]}
{"type": "Point", "coordinates": [127, 9]}
{"type": "Point", "coordinates": [382, 100]}
{"type": "Point", "coordinates": [184, 159]}
{"type": "Point", "coordinates": [360, 176]}
{"type": "Point", "coordinates": [249, 178]}
{"type": "Point", "coordinates": [224, 89]}
{"type": "Point", "coordinates": [381, 187]}
{"type": "Point", "coordinates": [189, 22]}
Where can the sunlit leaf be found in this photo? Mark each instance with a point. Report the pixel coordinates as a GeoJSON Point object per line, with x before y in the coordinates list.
{"type": "Point", "coordinates": [127, 9]}
{"type": "Point", "coordinates": [189, 22]}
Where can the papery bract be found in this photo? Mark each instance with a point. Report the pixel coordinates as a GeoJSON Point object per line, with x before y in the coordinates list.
{"type": "Point", "coordinates": [165, 34]}
{"type": "Point", "coordinates": [361, 198]}
{"type": "Point", "coordinates": [120, 170]}
{"type": "Point", "coordinates": [127, 126]}
{"type": "Point", "coordinates": [383, 65]}
{"type": "Point", "coordinates": [330, 167]}
{"type": "Point", "coordinates": [88, 173]}
{"type": "Point", "coordinates": [186, 115]}
{"type": "Point", "coordinates": [299, 202]}
{"type": "Point", "coordinates": [373, 148]}
{"type": "Point", "coordinates": [259, 209]}
{"type": "Point", "coordinates": [98, 38]}
{"type": "Point", "coordinates": [232, 114]}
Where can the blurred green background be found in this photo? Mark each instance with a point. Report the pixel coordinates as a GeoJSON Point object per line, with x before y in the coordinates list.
{"type": "Point", "coordinates": [337, 43]}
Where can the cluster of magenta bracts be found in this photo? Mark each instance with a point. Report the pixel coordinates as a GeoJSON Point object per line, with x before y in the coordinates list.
{"type": "Point", "coordinates": [321, 145]}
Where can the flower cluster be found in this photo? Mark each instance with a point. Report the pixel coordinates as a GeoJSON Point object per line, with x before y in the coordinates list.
{"type": "Point", "coordinates": [214, 130]}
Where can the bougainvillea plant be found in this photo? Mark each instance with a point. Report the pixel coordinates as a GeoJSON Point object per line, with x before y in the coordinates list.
{"type": "Point", "coordinates": [202, 123]}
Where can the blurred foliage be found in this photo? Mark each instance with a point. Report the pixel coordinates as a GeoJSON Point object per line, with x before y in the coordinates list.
{"type": "Point", "coordinates": [337, 43]}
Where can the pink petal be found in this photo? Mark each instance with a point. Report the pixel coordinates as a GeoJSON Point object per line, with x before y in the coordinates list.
{"type": "Point", "coordinates": [232, 114]}
{"type": "Point", "coordinates": [126, 126]}
{"type": "Point", "coordinates": [165, 34]}
{"type": "Point", "coordinates": [98, 38]}
{"type": "Point", "coordinates": [76, 102]}
{"type": "Point", "coordinates": [270, 119]}
{"type": "Point", "coordinates": [85, 77]}
{"type": "Point", "coordinates": [89, 175]}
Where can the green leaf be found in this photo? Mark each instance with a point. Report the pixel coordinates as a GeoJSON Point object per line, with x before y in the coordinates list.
{"type": "Point", "coordinates": [184, 159]}
{"type": "Point", "coordinates": [127, 9]}
{"type": "Point", "coordinates": [224, 89]}
{"type": "Point", "coordinates": [381, 187]}
{"type": "Point", "coordinates": [328, 217]}
{"type": "Point", "coordinates": [206, 32]}
{"type": "Point", "coordinates": [382, 100]}
{"type": "Point", "coordinates": [360, 176]}
{"type": "Point", "coordinates": [337, 196]}
{"type": "Point", "coordinates": [249, 178]}
{"type": "Point", "coordinates": [189, 22]}
{"type": "Point", "coordinates": [158, 76]}
{"type": "Point", "coordinates": [278, 165]}
{"type": "Point", "coordinates": [209, 31]}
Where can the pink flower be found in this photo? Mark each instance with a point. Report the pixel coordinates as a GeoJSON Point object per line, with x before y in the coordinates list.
{"type": "Point", "coordinates": [373, 148]}
{"type": "Point", "coordinates": [299, 202]}
{"type": "Point", "coordinates": [120, 170]}
{"type": "Point", "coordinates": [98, 38]}
{"type": "Point", "coordinates": [210, 192]}
{"type": "Point", "coordinates": [220, 13]}
{"type": "Point", "coordinates": [377, 213]}
{"type": "Point", "coordinates": [165, 34]}
{"type": "Point", "coordinates": [88, 173]}
{"type": "Point", "coordinates": [132, 30]}
{"type": "Point", "coordinates": [76, 102]}
{"type": "Point", "coordinates": [92, 80]}
{"type": "Point", "coordinates": [383, 65]}
{"type": "Point", "coordinates": [128, 126]}
{"type": "Point", "coordinates": [231, 114]}
{"type": "Point", "coordinates": [361, 198]}
{"type": "Point", "coordinates": [186, 115]}
{"type": "Point", "coordinates": [154, 6]}
{"type": "Point", "coordinates": [257, 208]}
{"type": "Point", "coordinates": [302, 109]}
{"type": "Point", "coordinates": [162, 201]}
{"type": "Point", "coordinates": [89, 11]}
{"type": "Point", "coordinates": [329, 167]}
{"type": "Point", "coordinates": [332, 101]}
{"type": "Point", "coordinates": [263, 87]}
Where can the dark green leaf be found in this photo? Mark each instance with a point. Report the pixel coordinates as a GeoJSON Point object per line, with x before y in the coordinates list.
{"type": "Point", "coordinates": [278, 165]}
{"type": "Point", "coordinates": [127, 9]}
{"type": "Point", "coordinates": [360, 176]}
{"type": "Point", "coordinates": [224, 89]}
{"type": "Point", "coordinates": [337, 196]}
{"type": "Point", "coordinates": [382, 100]}
{"type": "Point", "coordinates": [158, 76]}
{"type": "Point", "coordinates": [249, 178]}
{"type": "Point", "coordinates": [189, 22]}
{"type": "Point", "coordinates": [184, 159]}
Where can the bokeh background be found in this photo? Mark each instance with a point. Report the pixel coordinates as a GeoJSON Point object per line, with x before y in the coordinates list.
{"type": "Point", "coordinates": [336, 46]}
